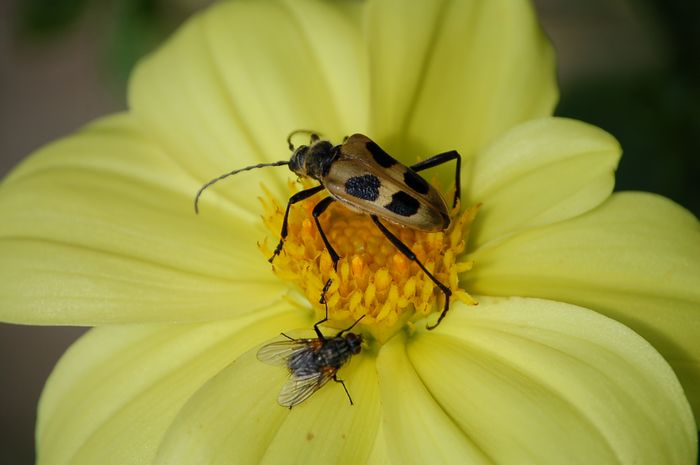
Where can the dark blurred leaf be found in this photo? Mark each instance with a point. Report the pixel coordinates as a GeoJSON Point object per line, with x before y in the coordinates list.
{"type": "Point", "coordinates": [46, 17]}
{"type": "Point", "coordinates": [657, 122]}
{"type": "Point", "coordinates": [138, 27]}
{"type": "Point", "coordinates": [656, 117]}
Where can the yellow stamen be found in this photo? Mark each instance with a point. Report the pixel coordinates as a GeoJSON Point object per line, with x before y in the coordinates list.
{"type": "Point", "coordinates": [372, 278]}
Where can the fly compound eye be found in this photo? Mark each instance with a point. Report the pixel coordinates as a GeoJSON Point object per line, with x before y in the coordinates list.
{"type": "Point", "coordinates": [354, 342]}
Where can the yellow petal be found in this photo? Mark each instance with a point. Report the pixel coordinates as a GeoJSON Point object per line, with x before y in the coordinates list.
{"type": "Point", "coordinates": [636, 258]}
{"type": "Point", "coordinates": [455, 74]}
{"type": "Point", "coordinates": [100, 228]}
{"type": "Point", "coordinates": [540, 382]}
{"type": "Point", "coordinates": [113, 395]}
{"type": "Point", "coordinates": [235, 419]}
{"type": "Point", "coordinates": [230, 86]}
{"type": "Point", "coordinates": [380, 451]}
{"type": "Point", "coordinates": [416, 428]}
{"type": "Point", "coordinates": [540, 172]}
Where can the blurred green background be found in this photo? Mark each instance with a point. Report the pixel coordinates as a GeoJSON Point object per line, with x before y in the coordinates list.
{"type": "Point", "coordinates": [631, 67]}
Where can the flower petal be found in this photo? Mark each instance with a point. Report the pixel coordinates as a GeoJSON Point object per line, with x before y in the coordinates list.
{"type": "Point", "coordinates": [230, 86]}
{"type": "Point", "coordinates": [429, 435]}
{"type": "Point", "coordinates": [636, 258]}
{"type": "Point", "coordinates": [540, 172]}
{"type": "Point", "coordinates": [128, 382]}
{"type": "Point", "coordinates": [380, 451]}
{"type": "Point", "coordinates": [542, 382]}
{"type": "Point", "coordinates": [235, 419]}
{"type": "Point", "coordinates": [99, 228]}
{"type": "Point", "coordinates": [455, 74]}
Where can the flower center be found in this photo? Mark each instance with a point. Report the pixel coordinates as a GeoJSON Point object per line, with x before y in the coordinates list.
{"type": "Point", "coordinates": [373, 278]}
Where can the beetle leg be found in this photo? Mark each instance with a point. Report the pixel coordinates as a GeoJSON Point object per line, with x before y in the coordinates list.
{"type": "Point", "coordinates": [318, 210]}
{"type": "Point", "coordinates": [403, 248]}
{"type": "Point", "coordinates": [298, 197]}
{"type": "Point", "coordinates": [439, 159]}
{"type": "Point", "coordinates": [335, 378]}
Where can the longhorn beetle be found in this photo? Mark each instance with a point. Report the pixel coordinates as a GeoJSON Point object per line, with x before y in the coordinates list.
{"type": "Point", "coordinates": [366, 179]}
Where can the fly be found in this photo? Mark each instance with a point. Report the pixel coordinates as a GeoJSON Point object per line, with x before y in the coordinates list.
{"type": "Point", "coordinates": [311, 362]}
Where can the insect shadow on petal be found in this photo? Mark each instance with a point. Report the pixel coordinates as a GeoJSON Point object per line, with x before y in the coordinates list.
{"type": "Point", "coordinates": [311, 362]}
{"type": "Point", "coordinates": [363, 177]}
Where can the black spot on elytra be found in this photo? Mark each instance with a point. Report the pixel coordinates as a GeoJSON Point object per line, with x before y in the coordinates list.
{"type": "Point", "coordinates": [380, 156]}
{"type": "Point", "coordinates": [415, 182]}
{"type": "Point", "coordinates": [403, 204]}
{"type": "Point", "coordinates": [363, 187]}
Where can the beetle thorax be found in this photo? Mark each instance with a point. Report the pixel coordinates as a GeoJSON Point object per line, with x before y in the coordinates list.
{"type": "Point", "coordinates": [313, 160]}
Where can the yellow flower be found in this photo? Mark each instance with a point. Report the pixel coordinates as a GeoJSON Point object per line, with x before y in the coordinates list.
{"type": "Point", "coordinates": [98, 229]}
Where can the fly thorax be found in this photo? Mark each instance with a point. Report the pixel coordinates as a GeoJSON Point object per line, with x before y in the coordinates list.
{"type": "Point", "coordinates": [320, 359]}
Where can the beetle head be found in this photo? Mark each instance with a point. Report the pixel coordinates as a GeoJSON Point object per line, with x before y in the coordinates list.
{"type": "Point", "coordinates": [312, 160]}
{"type": "Point", "coordinates": [298, 160]}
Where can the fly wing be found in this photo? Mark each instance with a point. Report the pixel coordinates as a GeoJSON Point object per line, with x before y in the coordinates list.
{"type": "Point", "coordinates": [298, 389]}
{"type": "Point", "coordinates": [279, 352]}
{"type": "Point", "coordinates": [368, 180]}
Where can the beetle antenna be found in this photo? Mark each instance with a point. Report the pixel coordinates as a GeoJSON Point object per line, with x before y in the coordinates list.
{"type": "Point", "coordinates": [314, 136]}
{"type": "Point", "coordinates": [217, 179]}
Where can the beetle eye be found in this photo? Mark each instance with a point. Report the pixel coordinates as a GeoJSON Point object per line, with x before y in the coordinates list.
{"type": "Point", "coordinates": [297, 159]}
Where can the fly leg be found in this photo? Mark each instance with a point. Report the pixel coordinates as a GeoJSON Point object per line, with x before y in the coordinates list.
{"type": "Point", "coordinates": [318, 331]}
{"type": "Point", "coordinates": [335, 378]}
{"type": "Point", "coordinates": [340, 333]}
{"type": "Point", "coordinates": [326, 286]}
{"type": "Point", "coordinates": [403, 248]}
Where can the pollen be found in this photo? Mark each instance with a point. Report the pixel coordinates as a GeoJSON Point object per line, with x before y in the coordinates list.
{"type": "Point", "coordinates": [373, 278]}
